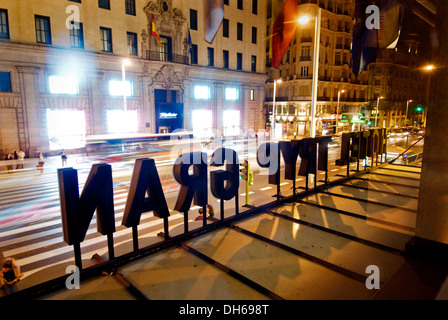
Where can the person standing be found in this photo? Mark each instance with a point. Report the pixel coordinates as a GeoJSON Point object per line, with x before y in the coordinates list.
{"type": "Point", "coordinates": [9, 157]}
{"type": "Point", "coordinates": [9, 275]}
{"type": "Point", "coordinates": [41, 162]}
{"type": "Point", "coordinates": [21, 156]}
{"type": "Point", "coordinates": [63, 158]}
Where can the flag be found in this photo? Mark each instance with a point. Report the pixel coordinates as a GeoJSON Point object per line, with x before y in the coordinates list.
{"type": "Point", "coordinates": [189, 42]}
{"type": "Point", "coordinates": [213, 16]}
{"type": "Point", "coordinates": [368, 43]}
{"type": "Point", "coordinates": [283, 31]}
{"type": "Point", "coordinates": [392, 15]}
{"type": "Point", "coordinates": [155, 34]}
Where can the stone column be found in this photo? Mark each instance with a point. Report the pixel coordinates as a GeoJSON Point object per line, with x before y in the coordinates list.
{"type": "Point", "coordinates": [148, 118]}
{"type": "Point", "coordinates": [96, 108]}
{"type": "Point", "coordinates": [431, 237]}
{"type": "Point", "coordinates": [32, 115]}
{"type": "Point", "coordinates": [187, 105]}
{"type": "Point", "coordinates": [218, 112]}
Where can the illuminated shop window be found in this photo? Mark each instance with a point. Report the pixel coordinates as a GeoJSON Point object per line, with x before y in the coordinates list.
{"type": "Point", "coordinates": [66, 128]}
{"type": "Point", "coordinates": [116, 88]}
{"type": "Point", "coordinates": [202, 92]}
{"type": "Point", "coordinates": [63, 85]}
{"type": "Point", "coordinates": [202, 123]}
{"type": "Point", "coordinates": [120, 121]}
{"type": "Point", "coordinates": [231, 122]}
{"type": "Point", "coordinates": [232, 94]}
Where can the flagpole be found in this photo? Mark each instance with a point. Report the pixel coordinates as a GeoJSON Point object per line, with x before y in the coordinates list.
{"type": "Point", "coordinates": [315, 72]}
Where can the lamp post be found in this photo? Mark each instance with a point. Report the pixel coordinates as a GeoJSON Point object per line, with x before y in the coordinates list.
{"type": "Point", "coordinates": [304, 20]}
{"type": "Point", "coordinates": [125, 63]}
{"type": "Point", "coordinates": [273, 106]}
{"type": "Point", "coordinates": [406, 116]}
{"type": "Point", "coordinates": [337, 111]}
{"type": "Point", "coordinates": [377, 110]}
{"type": "Point", "coordinates": [429, 69]}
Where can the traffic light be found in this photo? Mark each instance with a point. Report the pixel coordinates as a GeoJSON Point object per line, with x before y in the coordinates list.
{"type": "Point", "coordinates": [244, 171]}
{"type": "Point", "coordinates": [419, 108]}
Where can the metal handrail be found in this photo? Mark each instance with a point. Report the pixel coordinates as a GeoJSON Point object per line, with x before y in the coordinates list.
{"type": "Point", "coordinates": [403, 153]}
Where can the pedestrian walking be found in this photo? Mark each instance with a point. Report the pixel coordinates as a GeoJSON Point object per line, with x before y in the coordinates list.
{"type": "Point", "coordinates": [63, 158]}
{"type": "Point", "coordinates": [9, 275]}
{"type": "Point", "coordinates": [21, 157]}
{"type": "Point", "coordinates": [41, 162]}
{"type": "Point", "coordinates": [9, 157]}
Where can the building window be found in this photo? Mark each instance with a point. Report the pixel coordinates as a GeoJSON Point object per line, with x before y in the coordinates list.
{"type": "Point", "coordinates": [194, 54]}
{"type": "Point", "coordinates": [120, 121]}
{"type": "Point", "coordinates": [253, 64]}
{"type": "Point", "coordinates": [4, 25]}
{"type": "Point", "coordinates": [255, 6]}
{"type": "Point", "coordinates": [306, 55]}
{"type": "Point", "coordinates": [77, 35]}
{"type": "Point", "coordinates": [240, 4]}
{"type": "Point", "coordinates": [254, 35]}
{"type": "Point", "coordinates": [202, 123]}
{"type": "Point", "coordinates": [304, 71]}
{"type": "Point", "coordinates": [193, 19]}
{"type": "Point", "coordinates": [225, 28]}
{"type": "Point", "coordinates": [231, 121]}
{"type": "Point", "coordinates": [117, 88]}
{"type": "Point", "coordinates": [130, 7]}
{"type": "Point", "coordinates": [226, 2]}
{"type": "Point", "coordinates": [202, 92]}
{"type": "Point", "coordinates": [106, 39]}
{"type": "Point", "coordinates": [211, 57]}
{"type": "Point", "coordinates": [252, 94]}
{"type": "Point", "coordinates": [66, 129]}
{"type": "Point", "coordinates": [132, 43]}
{"type": "Point", "coordinates": [239, 61]}
{"type": "Point", "coordinates": [166, 51]}
{"type": "Point", "coordinates": [104, 4]}
{"type": "Point", "coordinates": [43, 30]}
{"type": "Point", "coordinates": [239, 31]}
{"type": "Point", "coordinates": [63, 85]}
{"type": "Point", "coordinates": [225, 59]}
{"type": "Point", "coordinates": [232, 94]}
{"type": "Point", "coordinates": [5, 82]}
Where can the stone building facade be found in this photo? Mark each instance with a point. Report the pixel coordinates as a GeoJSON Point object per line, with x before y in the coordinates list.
{"type": "Point", "coordinates": [293, 95]}
{"type": "Point", "coordinates": [62, 65]}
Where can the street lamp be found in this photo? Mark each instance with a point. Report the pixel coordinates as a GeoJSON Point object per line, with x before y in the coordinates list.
{"type": "Point", "coordinates": [337, 111]}
{"type": "Point", "coordinates": [273, 106]}
{"type": "Point", "coordinates": [429, 69]}
{"type": "Point", "coordinates": [377, 110]}
{"type": "Point", "coordinates": [304, 20]}
{"type": "Point", "coordinates": [125, 63]}
{"type": "Point", "coordinates": [407, 108]}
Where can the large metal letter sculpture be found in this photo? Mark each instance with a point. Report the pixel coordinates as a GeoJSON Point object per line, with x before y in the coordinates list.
{"type": "Point", "coordinates": [225, 183]}
{"type": "Point", "coordinates": [145, 180]}
{"type": "Point", "coordinates": [192, 186]}
{"type": "Point", "coordinates": [322, 159]}
{"type": "Point", "coordinates": [308, 165]}
{"type": "Point", "coordinates": [290, 151]}
{"type": "Point", "coordinates": [77, 212]}
{"type": "Point", "coordinates": [268, 156]}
